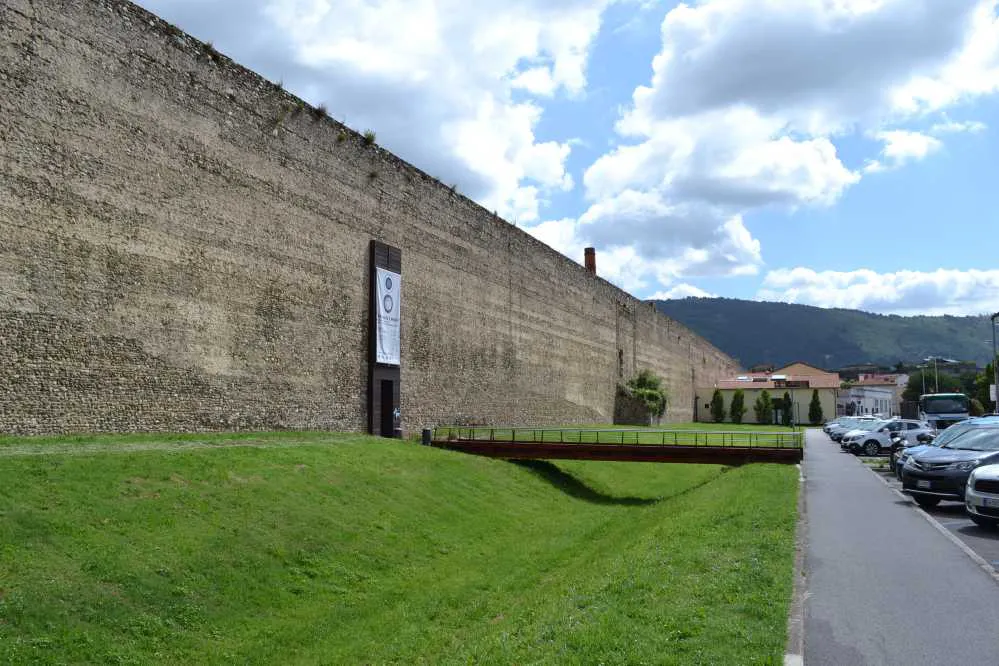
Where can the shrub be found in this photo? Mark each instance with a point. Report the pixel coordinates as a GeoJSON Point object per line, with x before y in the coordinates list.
{"type": "Point", "coordinates": [738, 407]}
{"type": "Point", "coordinates": [647, 386]}
{"type": "Point", "coordinates": [815, 409]}
{"type": "Point", "coordinates": [976, 408]}
{"type": "Point", "coordinates": [763, 408]}
{"type": "Point", "coordinates": [717, 407]}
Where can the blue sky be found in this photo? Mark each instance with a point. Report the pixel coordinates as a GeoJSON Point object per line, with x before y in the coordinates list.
{"type": "Point", "coordinates": [840, 153]}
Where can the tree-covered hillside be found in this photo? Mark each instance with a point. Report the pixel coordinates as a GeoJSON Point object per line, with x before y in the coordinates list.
{"type": "Point", "coordinates": [756, 332]}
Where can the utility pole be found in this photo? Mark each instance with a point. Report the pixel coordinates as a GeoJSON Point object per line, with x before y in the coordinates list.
{"type": "Point", "coordinates": [995, 365]}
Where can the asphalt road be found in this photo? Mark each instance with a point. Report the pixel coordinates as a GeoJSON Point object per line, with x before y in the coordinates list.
{"type": "Point", "coordinates": [883, 586]}
{"type": "Point", "coordinates": [951, 515]}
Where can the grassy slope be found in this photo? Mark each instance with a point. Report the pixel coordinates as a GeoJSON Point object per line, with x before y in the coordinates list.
{"type": "Point", "coordinates": [347, 549]}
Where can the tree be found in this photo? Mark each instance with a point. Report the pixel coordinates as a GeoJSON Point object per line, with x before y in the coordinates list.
{"type": "Point", "coordinates": [763, 408]}
{"type": "Point", "coordinates": [647, 386]}
{"type": "Point", "coordinates": [738, 407]}
{"type": "Point", "coordinates": [786, 416]}
{"type": "Point", "coordinates": [717, 407]}
{"type": "Point", "coordinates": [815, 408]}
{"type": "Point", "coordinates": [976, 408]}
{"type": "Point", "coordinates": [948, 384]}
{"type": "Point", "coordinates": [981, 388]}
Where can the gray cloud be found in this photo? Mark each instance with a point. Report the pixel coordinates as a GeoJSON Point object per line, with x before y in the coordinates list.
{"type": "Point", "coordinates": [806, 57]}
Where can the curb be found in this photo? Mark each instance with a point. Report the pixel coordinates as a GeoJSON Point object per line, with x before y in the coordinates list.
{"type": "Point", "coordinates": [965, 548]}
{"type": "Point", "coordinates": [794, 652]}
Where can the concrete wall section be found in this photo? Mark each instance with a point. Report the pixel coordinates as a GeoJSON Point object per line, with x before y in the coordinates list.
{"type": "Point", "coordinates": [183, 246]}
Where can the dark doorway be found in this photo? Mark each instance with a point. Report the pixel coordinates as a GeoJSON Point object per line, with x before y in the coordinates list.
{"type": "Point", "coordinates": [384, 368]}
{"type": "Point", "coordinates": [388, 408]}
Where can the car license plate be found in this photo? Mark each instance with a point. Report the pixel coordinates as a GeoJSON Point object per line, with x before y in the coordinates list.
{"type": "Point", "coordinates": [922, 484]}
{"type": "Point", "coordinates": [990, 501]}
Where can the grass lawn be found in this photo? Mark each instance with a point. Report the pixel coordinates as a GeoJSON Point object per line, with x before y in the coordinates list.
{"type": "Point", "coordinates": [321, 548]}
{"type": "Point", "coordinates": [683, 434]}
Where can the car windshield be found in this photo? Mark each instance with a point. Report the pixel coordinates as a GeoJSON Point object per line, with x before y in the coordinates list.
{"type": "Point", "coordinates": [952, 433]}
{"type": "Point", "coordinates": [977, 439]}
{"type": "Point", "coordinates": [945, 404]}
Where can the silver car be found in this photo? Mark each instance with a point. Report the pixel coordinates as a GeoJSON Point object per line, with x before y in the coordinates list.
{"type": "Point", "coordinates": [878, 438]}
{"type": "Point", "coordinates": [981, 496]}
{"type": "Point", "coordinates": [847, 424]}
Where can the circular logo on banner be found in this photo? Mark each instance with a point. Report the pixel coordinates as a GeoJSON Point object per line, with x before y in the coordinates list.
{"type": "Point", "coordinates": [388, 282]}
{"type": "Point", "coordinates": [387, 303]}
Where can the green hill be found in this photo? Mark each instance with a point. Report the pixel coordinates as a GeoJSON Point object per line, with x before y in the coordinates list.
{"type": "Point", "coordinates": [319, 548]}
{"type": "Point", "coordinates": [778, 333]}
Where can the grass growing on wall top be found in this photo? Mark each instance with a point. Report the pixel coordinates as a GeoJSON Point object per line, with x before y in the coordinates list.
{"type": "Point", "coordinates": [308, 547]}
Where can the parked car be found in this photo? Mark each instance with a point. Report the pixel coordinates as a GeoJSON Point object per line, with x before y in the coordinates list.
{"type": "Point", "coordinates": [869, 434]}
{"type": "Point", "coordinates": [847, 422]}
{"type": "Point", "coordinates": [845, 426]}
{"type": "Point", "coordinates": [860, 431]}
{"type": "Point", "coordinates": [872, 442]}
{"type": "Point", "coordinates": [981, 496]}
{"type": "Point", "coordinates": [941, 472]}
{"type": "Point", "coordinates": [924, 441]}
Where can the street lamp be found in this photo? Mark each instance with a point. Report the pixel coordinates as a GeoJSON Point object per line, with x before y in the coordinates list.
{"type": "Point", "coordinates": [995, 365]}
{"type": "Point", "coordinates": [936, 372]}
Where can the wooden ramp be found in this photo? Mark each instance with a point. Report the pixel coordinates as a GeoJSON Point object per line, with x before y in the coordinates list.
{"type": "Point", "coordinates": [668, 446]}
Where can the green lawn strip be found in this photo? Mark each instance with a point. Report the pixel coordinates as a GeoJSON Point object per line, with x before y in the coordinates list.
{"type": "Point", "coordinates": [96, 443]}
{"type": "Point", "coordinates": [376, 551]}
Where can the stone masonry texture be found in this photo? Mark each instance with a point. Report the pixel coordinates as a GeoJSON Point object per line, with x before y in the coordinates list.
{"type": "Point", "coordinates": [184, 247]}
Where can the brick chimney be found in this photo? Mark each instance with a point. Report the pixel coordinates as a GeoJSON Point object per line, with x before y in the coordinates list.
{"type": "Point", "coordinates": [590, 259]}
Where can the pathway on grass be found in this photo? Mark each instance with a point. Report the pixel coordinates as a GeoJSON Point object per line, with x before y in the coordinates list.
{"type": "Point", "coordinates": [883, 585]}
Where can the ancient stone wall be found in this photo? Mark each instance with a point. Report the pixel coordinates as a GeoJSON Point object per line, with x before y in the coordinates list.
{"type": "Point", "coordinates": [183, 246]}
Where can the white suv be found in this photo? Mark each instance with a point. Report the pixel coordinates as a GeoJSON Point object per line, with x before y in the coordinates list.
{"type": "Point", "coordinates": [872, 442]}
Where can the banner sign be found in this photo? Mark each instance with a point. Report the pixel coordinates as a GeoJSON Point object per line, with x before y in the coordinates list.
{"type": "Point", "coordinates": [387, 323]}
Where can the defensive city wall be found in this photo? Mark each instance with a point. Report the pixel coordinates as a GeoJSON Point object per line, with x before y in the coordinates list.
{"type": "Point", "coordinates": [185, 246]}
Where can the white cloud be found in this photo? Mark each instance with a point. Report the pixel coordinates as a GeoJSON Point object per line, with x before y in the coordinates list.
{"type": "Point", "coordinates": [971, 70]}
{"type": "Point", "coordinates": [743, 109]}
{"type": "Point", "coordinates": [944, 291]}
{"type": "Point", "coordinates": [951, 127]}
{"type": "Point", "coordinates": [746, 103]}
{"type": "Point", "coordinates": [621, 265]}
{"type": "Point", "coordinates": [682, 291]}
{"type": "Point", "coordinates": [434, 78]}
{"type": "Point", "coordinates": [902, 147]}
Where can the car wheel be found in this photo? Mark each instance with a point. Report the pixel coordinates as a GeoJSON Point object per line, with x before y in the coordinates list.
{"type": "Point", "coordinates": [872, 448]}
{"type": "Point", "coordinates": [987, 523]}
{"type": "Point", "coordinates": [927, 502]}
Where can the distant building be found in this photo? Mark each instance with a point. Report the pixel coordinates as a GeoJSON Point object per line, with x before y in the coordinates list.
{"type": "Point", "coordinates": [869, 393]}
{"type": "Point", "coordinates": [868, 399]}
{"type": "Point", "coordinates": [797, 379]}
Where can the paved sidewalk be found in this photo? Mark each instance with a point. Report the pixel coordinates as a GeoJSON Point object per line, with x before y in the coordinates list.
{"type": "Point", "coordinates": [883, 586]}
